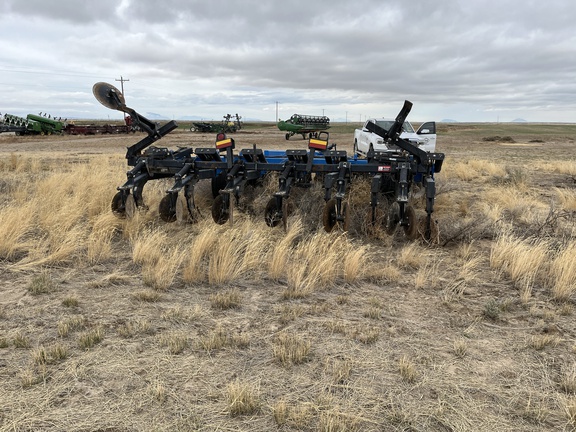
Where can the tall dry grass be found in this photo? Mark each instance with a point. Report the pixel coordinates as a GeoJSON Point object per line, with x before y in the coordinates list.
{"type": "Point", "coordinates": [66, 220]}
{"type": "Point", "coordinates": [562, 274]}
{"type": "Point", "coordinates": [521, 260]}
{"type": "Point", "coordinates": [305, 262]}
{"type": "Point", "coordinates": [567, 167]}
{"type": "Point", "coordinates": [61, 214]}
{"type": "Point", "coordinates": [474, 169]}
{"type": "Point", "coordinates": [16, 225]}
{"type": "Point", "coordinates": [532, 261]}
{"type": "Point", "coordinates": [514, 205]}
{"type": "Point", "coordinates": [565, 199]}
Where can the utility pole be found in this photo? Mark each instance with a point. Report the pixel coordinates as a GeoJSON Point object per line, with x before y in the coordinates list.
{"type": "Point", "coordinates": [122, 80]}
{"type": "Point", "coordinates": [276, 111]}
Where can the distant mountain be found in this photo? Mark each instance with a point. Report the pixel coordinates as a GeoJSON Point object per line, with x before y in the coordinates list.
{"type": "Point", "coordinates": [155, 116]}
{"type": "Point", "coordinates": [194, 118]}
{"type": "Point", "coordinates": [519, 120]}
{"type": "Point", "coordinates": [448, 121]}
{"type": "Point", "coordinates": [208, 119]}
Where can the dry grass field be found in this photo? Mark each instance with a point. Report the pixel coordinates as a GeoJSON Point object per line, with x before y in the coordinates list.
{"type": "Point", "coordinates": [113, 325]}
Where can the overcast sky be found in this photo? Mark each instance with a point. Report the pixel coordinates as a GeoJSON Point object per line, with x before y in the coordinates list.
{"type": "Point", "coordinates": [466, 60]}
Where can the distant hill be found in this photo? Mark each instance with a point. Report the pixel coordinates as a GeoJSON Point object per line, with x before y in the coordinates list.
{"type": "Point", "coordinates": [448, 121]}
{"type": "Point", "coordinates": [192, 118]}
{"type": "Point", "coordinates": [519, 120]}
{"type": "Point", "coordinates": [155, 116]}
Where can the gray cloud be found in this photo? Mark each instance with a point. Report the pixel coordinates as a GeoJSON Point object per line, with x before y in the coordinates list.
{"type": "Point", "coordinates": [460, 59]}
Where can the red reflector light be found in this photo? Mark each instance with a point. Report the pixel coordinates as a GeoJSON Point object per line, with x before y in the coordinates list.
{"type": "Point", "coordinates": [229, 142]}
{"type": "Point", "coordinates": [317, 144]}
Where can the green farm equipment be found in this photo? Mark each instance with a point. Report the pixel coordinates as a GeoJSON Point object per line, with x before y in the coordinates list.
{"type": "Point", "coordinates": [48, 126]}
{"type": "Point", "coordinates": [305, 125]}
{"type": "Point", "coordinates": [230, 123]}
{"type": "Point", "coordinates": [31, 125]}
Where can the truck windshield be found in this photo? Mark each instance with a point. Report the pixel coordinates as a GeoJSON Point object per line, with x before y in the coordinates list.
{"type": "Point", "coordinates": [387, 124]}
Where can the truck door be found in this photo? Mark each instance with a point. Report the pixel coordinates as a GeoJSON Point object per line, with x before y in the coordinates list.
{"type": "Point", "coordinates": [428, 130]}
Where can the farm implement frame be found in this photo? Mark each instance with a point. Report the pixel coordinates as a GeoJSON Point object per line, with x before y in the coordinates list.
{"type": "Point", "coordinates": [305, 125]}
{"type": "Point", "coordinates": [392, 174]}
{"type": "Point", "coordinates": [229, 123]}
{"type": "Point", "coordinates": [39, 125]}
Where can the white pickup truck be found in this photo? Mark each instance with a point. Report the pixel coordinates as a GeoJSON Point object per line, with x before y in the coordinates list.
{"type": "Point", "coordinates": [365, 141]}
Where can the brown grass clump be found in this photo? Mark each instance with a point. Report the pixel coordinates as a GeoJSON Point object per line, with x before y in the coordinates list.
{"type": "Point", "coordinates": [473, 169]}
{"type": "Point", "coordinates": [20, 341]}
{"type": "Point", "coordinates": [219, 339]}
{"type": "Point", "coordinates": [99, 243]}
{"type": "Point", "coordinates": [41, 284]}
{"type": "Point", "coordinates": [565, 199]}
{"type": "Point", "coordinates": [161, 274]}
{"type": "Point", "coordinates": [407, 369]}
{"type": "Point", "coordinates": [411, 255]}
{"type": "Point", "coordinates": [340, 371]}
{"type": "Point", "coordinates": [290, 349]}
{"type": "Point", "coordinates": [133, 328]}
{"type": "Point", "coordinates": [521, 260]}
{"type": "Point", "coordinates": [175, 342]}
{"type": "Point", "coordinates": [460, 348]}
{"type": "Point", "coordinates": [541, 341]}
{"type": "Point", "coordinates": [227, 299]}
{"type": "Point", "coordinates": [365, 334]}
{"type": "Point", "coordinates": [74, 323]}
{"type": "Point", "coordinates": [195, 266]}
{"type": "Point", "coordinates": [53, 354]}
{"type": "Point", "coordinates": [283, 250]}
{"type": "Point", "coordinates": [148, 247]}
{"type": "Point", "coordinates": [288, 313]}
{"type": "Point", "coordinates": [148, 296]}
{"type": "Point", "coordinates": [242, 398]}
{"type": "Point", "coordinates": [238, 253]}
{"type": "Point", "coordinates": [90, 338]}
{"type": "Point", "coordinates": [316, 264]}
{"type": "Point", "coordinates": [426, 275]}
{"type": "Point", "coordinates": [567, 167]}
{"type": "Point", "coordinates": [562, 273]}
{"type": "Point", "coordinates": [568, 380]}
{"type": "Point", "coordinates": [297, 416]}
{"type": "Point", "coordinates": [17, 222]}
{"type": "Point", "coordinates": [569, 406]}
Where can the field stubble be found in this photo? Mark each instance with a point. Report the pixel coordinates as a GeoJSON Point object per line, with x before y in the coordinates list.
{"type": "Point", "coordinates": [111, 324]}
